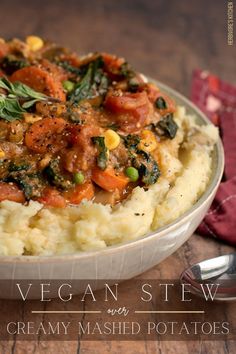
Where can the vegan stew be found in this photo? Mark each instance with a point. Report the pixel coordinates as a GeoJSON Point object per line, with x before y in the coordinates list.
{"type": "Point", "coordinates": [74, 128]}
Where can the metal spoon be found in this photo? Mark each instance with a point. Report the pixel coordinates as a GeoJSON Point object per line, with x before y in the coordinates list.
{"type": "Point", "coordinates": [220, 270]}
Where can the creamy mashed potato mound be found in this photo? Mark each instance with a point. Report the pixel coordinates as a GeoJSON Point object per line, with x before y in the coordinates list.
{"type": "Point", "coordinates": [34, 230]}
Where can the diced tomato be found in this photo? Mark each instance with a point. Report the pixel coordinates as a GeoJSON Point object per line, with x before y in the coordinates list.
{"type": "Point", "coordinates": [72, 59]}
{"type": "Point", "coordinates": [56, 71]}
{"type": "Point", "coordinates": [152, 92]}
{"type": "Point", "coordinates": [131, 110]}
{"type": "Point", "coordinates": [80, 192]}
{"type": "Point", "coordinates": [112, 65]}
{"type": "Point", "coordinates": [11, 192]}
{"type": "Point", "coordinates": [82, 155]}
{"type": "Point", "coordinates": [46, 135]}
{"type": "Point", "coordinates": [109, 179]}
{"type": "Point", "coordinates": [51, 197]}
{"type": "Point", "coordinates": [81, 134]}
{"type": "Point", "coordinates": [40, 80]}
{"type": "Point", "coordinates": [4, 49]}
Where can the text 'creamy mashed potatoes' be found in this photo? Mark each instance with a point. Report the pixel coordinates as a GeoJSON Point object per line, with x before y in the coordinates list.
{"type": "Point", "coordinates": [91, 154]}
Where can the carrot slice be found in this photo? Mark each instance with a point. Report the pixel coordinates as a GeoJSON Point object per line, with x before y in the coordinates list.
{"type": "Point", "coordinates": [46, 135]}
{"type": "Point", "coordinates": [112, 62]}
{"type": "Point", "coordinates": [11, 192]}
{"type": "Point", "coordinates": [40, 80]}
{"type": "Point", "coordinates": [80, 192]}
{"type": "Point", "coordinates": [109, 179]}
{"type": "Point", "coordinates": [51, 197]}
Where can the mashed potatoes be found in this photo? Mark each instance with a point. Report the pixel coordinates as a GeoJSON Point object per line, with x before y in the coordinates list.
{"type": "Point", "coordinates": [39, 231]}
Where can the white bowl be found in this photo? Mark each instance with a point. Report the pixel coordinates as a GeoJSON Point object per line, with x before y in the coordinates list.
{"type": "Point", "coordinates": [126, 260]}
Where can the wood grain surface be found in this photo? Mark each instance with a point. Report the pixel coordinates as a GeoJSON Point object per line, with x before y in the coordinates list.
{"type": "Point", "coordinates": [165, 40]}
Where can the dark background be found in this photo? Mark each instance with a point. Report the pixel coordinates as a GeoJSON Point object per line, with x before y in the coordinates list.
{"type": "Point", "coordinates": [164, 39]}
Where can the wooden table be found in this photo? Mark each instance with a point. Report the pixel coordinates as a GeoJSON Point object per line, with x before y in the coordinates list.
{"type": "Point", "coordinates": [166, 40]}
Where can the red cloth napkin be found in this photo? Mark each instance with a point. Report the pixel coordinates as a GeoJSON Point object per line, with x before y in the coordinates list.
{"type": "Point", "coordinates": [217, 99]}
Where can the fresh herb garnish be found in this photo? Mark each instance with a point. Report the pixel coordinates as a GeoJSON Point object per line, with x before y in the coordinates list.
{"type": "Point", "coordinates": [160, 103]}
{"type": "Point", "coordinates": [167, 127]}
{"type": "Point", "coordinates": [18, 98]}
{"type": "Point", "coordinates": [99, 141]}
{"type": "Point", "coordinates": [10, 108]}
{"type": "Point", "coordinates": [94, 82]}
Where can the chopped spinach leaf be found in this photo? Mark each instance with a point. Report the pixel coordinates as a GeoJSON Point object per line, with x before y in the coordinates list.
{"type": "Point", "coordinates": [53, 174]}
{"type": "Point", "coordinates": [30, 184]}
{"type": "Point", "coordinates": [74, 116]}
{"type": "Point", "coordinates": [83, 88]}
{"type": "Point", "coordinates": [26, 187]}
{"type": "Point", "coordinates": [160, 103]}
{"type": "Point", "coordinates": [99, 141]}
{"type": "Point", "coordinates": [133, 84]}
{"type": "Point", "coordinates": [128, 73]}
{"type": "Point", "coordinates": [167, 127]}
{"type": "Point", "coordinates": [113, 126]}
{"type": "Point", "coordinates": [131, 141]}
{"type": "Point", "coordinates": [94, 82]}
{"type": "Point", "coordinates": [68, 67]}
{"type": "Point", "coordinates": [126, 70]}
{"type": "Point", "coordinates": [147, 167]}
{"type": "Point", "coordinates": [11, 63]}
{"type": "Point", "coordinates": [14, 167]}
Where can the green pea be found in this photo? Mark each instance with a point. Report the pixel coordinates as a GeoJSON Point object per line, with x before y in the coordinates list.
{"type": "Point", "coordinates": [78, 178]}
{"type": "Point", "coordinates": [132, 173]}
{"type": "Point", "coordinates": [68, 85]}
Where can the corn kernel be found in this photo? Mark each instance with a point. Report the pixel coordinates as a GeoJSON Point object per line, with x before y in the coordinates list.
{"type": "Point", "coordinates": [148, 141]}
{"type": "Point", "coordinates": [2, 153]}
{"type": "Point", "coordinates": [35, 43]}
{"type": "Point", "coordinates": [112, 139]}
{"type": "Point", "coordinates": [31, 118]}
